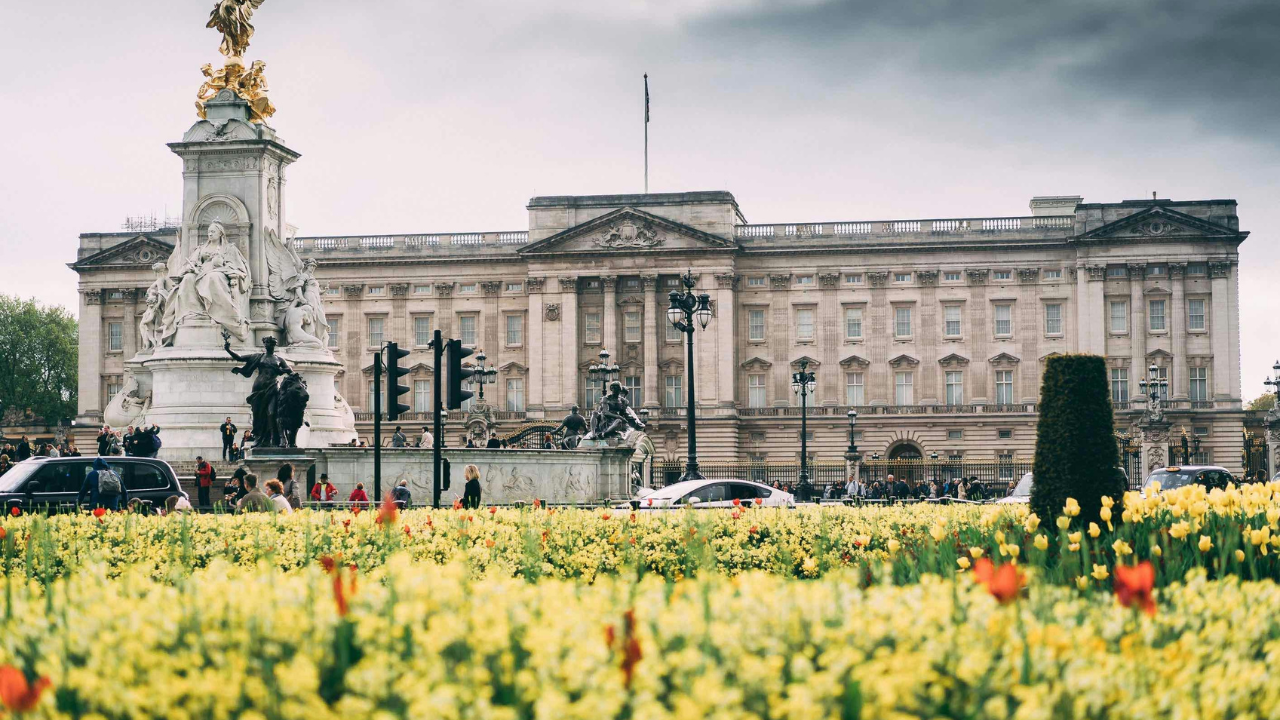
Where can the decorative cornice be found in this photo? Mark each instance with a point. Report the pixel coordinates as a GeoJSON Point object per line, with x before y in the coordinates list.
{"type": "Point", "coordinates": [1028, 275]}
{"type": "Point", "coordinates": [399, 289]}
{"type": "Point", "coordinates": [877, 279]}
{"type": "Point", "coordinates": [780, 281]}
{"type": "Point", "coordinates": [726, 281]}
{"type": "Point", "coordinates": [903, 360]}
{"type": "Point", "coordinates": [93, 297]}
{"type": "Point", "coordinates": [756, 363]}
{"type": "Point", "coordinates": [490, 288]}
{"type": "Point", "coordinates": [927, 278]}
{"type": "Point", "coordinates": [954, 360]}
{"type": "Point", "coordinates": [977, 277]}
{"type": "Point", "coordinates": [444, 289]}
{"type": "Point", "coordinates": [1177, 270]}
{"type": "Point", "coordinates": [1220, 269]}
{"type": "Point", "coordinates": [1004, 359]}
{"type": "Point", "coordinates": [353, 292]}
{"type": "Point", "coordinates": [855, 361]}
{"type": "Point", "coordinates": [830, 281]}
{"type": "Point", "coordinates": [567, 284]}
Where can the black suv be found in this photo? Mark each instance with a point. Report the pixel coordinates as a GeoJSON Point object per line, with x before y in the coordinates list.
{"type": "Point", "coordinates": [1210, 476]}
{"type": "Point", "coordinates": [53, 483]}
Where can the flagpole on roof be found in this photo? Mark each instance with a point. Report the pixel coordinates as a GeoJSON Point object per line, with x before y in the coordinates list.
{"type": "Point", "coordinates": [646, 133]}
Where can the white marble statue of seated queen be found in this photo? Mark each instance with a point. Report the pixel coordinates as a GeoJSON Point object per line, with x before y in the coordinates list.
{"type": "Point", "coordinates": [213, 283]}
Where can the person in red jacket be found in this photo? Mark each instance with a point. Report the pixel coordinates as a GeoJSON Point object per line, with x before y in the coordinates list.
{"type": "Point", "coordinates": [358, 499]}
{"type": "Point", "coordinates": [323, 490]}
{"type": "Point", "coordinates": [204, 478]}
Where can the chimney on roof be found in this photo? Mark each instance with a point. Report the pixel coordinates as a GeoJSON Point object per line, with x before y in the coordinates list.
{"type": "Point", "coordinates": [1055, 204]}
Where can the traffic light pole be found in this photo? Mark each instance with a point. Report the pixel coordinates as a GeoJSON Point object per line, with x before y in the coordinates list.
{"type": "Point", "coordinates": [377, 426]}
{"type": "Point", "coordinates": [437, 426]}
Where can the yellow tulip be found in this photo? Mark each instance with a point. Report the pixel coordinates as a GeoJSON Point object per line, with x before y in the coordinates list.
{"type": "Point", "coordinates": [1074, 547]}
{"type": "Point", "coordinates": [1099, 572]}
{"type": "Point", "coordinates": [1032, 524]}
{"type": "Point", "coordinates": [1206, 544]}
{"type": "Point", "coordinates": [1179, 529]}
{"type": "Point", "coordinates": [1063, 522]}
{"type": "Point", "coordinates": [937, 532]}
{"type": "Point", "coordinates": [976, 552]}
{"type": "Point", "coordinates": [1072, 508]}
{"type": "Point", "coordinates": [1122, 548]}
{"type": "Point", "coordinates": [1239, 556]}
{"type": "Point", "coordinates": [1108, 501]}
{"type": "Point", "coordinates": [1082, 582]}
{"type": "Point", "coordinates": [1155, 550]}
{"type": "Point", "coordinates": [1094, 530]}
{"type": "Point", "coordinates": [963, 562]}
{"type": "Point", "coordinates": [1042, 542]}
{"type": "Point", "coordinates": [1012, 550]}
{"type": "Point", "coordinates": [1000, 537]}
{"type": "Point", "coordinates": [1074, 537]}
{"type": "Point", "coordinates": [893, 545]}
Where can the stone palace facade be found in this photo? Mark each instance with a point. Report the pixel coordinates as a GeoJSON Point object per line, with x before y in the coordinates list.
{"type": "Point", "coordinates": [935, 331]}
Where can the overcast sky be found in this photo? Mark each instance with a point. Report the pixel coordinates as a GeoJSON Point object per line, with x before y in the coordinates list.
{"type": "Point", "coordinates": [417, 116]}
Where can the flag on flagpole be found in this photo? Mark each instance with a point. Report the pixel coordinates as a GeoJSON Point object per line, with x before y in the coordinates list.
{"type": "Point", "coordinates": [646, 97]}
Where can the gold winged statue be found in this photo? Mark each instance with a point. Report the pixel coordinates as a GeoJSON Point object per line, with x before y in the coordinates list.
{"type": "Point", "coordinates": [231, 18]}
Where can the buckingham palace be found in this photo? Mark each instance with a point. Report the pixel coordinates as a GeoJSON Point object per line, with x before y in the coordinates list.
{"type": "Point", "coordinates": [935, 331]}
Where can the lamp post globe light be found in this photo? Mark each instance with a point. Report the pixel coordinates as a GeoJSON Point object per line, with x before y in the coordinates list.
{"type": "Point", "coordinates": [803, 384]}
{"type": "Point", "coordinates": [853, 446]}
{"type": "Point", "coordinates": [483, 375]}
{"type": "Point", "coordinates": [1273, 381]}
{"type": "Point", "coordinates": [1154, 388]}
{"type": "Point", "coordinates": [685, 308]}
{"type": "Point", "coordinates": [603, 371]}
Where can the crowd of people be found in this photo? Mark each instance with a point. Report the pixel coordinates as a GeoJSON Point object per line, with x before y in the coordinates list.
{"type": "Point", "coordinates": [892, 488]}
{"type": "Point", "coordinates": [142, 441]}
{"type": "Point", "coordinates": [12, 453]}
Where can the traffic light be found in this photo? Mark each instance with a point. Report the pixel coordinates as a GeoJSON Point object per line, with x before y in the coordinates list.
{"type": "Point", "coordinates": [454, 353]}
{"type": "Point", "coordinates": [394, 389]}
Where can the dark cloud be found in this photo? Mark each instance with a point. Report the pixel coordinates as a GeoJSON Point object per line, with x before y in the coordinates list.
{"type": "Point", "coordinates": [1216, 63]}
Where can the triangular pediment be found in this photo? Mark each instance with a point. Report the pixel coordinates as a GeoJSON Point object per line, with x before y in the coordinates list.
{"type": "Point", "coordinates": [757, 363]}
{"type": "Point", "coordinates": [513, 367]}
{"type": "Point", "coordinates": [626, 230]}
{"type": "Point", "coordinates": [1159, 223]}
{"type": "Point", "coordinates": [141, 251]}
{"type": "Point", "coordinates": [810, 362]}
{"type": "Point", "coordinates": [954, 360]}
{"type": "Point", "coordinates": [1159, 354]}
{"type": "Point", "coordinates": [854, 361]}
{"type": "Point", "coordinates": [904, 360]}
{"type": "Point", "coordinates": [1004, 359]}
{"type": "Point", "coordinates": [669, 364]}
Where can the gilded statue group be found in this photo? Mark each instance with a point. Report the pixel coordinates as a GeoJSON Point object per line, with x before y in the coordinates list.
{"type": "Point", "coordinates": [214, 283]}
{"type": "Point", "coordinates": [231, 18]}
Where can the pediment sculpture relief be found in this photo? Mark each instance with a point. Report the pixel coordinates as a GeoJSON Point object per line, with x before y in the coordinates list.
{"type": "Point", "coordinates": [629, 234]}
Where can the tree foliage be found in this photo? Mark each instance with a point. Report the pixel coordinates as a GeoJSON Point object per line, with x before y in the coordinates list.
{"type": "Point", "coordinates": [38, 359]}
{"type": "Point", "coordinates": [1076, 451]}
{"type": "Point", "coordinates": [1262, 402]}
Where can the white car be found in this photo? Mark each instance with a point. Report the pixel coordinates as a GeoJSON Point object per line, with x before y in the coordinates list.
{"type": "Point", "coordinates": [1021, 492]}
{"type": "Point", "coordinates": [712, 494]}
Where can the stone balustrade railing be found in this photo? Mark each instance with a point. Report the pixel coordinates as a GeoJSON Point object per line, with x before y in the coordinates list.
{"type": "Point", "coordinates": [439, 242]}
{"type": "Point", "coordinates": [1038, 224]}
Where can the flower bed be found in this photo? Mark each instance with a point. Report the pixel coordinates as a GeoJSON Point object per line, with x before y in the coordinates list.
{"type": "Point", "coordinates": [417, 640]}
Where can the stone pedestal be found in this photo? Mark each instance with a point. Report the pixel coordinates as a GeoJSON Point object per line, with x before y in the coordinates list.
{"type": "Point", "coordinates": [1155, 445]}
{"type": "Point", "coordinates": [266, 463]}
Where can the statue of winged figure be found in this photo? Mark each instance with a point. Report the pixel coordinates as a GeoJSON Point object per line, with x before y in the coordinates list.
{"type": "Point", "coordinates": [231, 18]}
{"type": "Point", "coordinates": [291, 282]}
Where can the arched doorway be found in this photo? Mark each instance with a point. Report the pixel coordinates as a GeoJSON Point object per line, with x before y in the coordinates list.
{"type": "Point", "coordinates": [906, 462]}
{"type": "Point", "coordinates": [906, 451]}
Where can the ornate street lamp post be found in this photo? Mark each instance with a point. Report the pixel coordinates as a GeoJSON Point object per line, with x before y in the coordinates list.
{"type": "Point", "coordinates": [933, 456]}
{"type": "Point", "coordinates": [853, 445]}
{"type": "Point", "coordinates": [1154, 388]}
{"type": "Point", "coordinates": [484, 374]}
{"type": "Point", "coordinates": [1273, 381]}
{"type": "Point", "coordinates": [603, 371]}
{"type": "Point", "coordinates": [685, 308]}
{"type": "Point", "coordinates": [803, 384]}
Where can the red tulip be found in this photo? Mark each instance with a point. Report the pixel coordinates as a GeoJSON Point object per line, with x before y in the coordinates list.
{"type": "Point", "coordinates": [2, 533]}
{"type": "Point", "coordinates": [16, 693]}
{"type": "Point", "coordinates": [630, 646]}
{"type": "Point", "coordinates": [605, 516]}
{"type": "Point", "coordinates": [99, 512]}
{"type": "Point", "coordinates": [328, 563]}
{"type": "Point", "coordinates": [14, 511]}
{"type": "Point", "coordinates": [759, 501]}
{"type": "Point", "coordinates": [1004, 583]}
{"type": "Point", "coordinates": [457, 504]}
{"type": "Point", "coordinates": [1134, 584]}
{"type": "Point", "coordinates": [387, 513]}
{"type": "Point", "coordinates": [493, 510]}
{"type": "Point", "coordinates": [736, 502]}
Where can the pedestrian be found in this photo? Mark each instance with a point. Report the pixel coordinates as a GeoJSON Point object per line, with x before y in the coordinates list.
{"type": "Point", "coordinates": [323, 490]}
{"type": "Point", "coordinates": [127, 440]}
{"type": "Point", "coordinates": [470, 443]}
{"type": "Point", "coordinates": [493, 443]}
{"type": "Point", "coordinates": [228, 430]}
{"type": "Point", "coordinates": [5, 464]}
{"type": "Point", "coordinates": [103, 487]}
{"type": "Point", "coordinates": [116, 445]}
{"type": "Point", "coordinates": [428, 440]}
{"type": "Point", "coordinates": [204, 481]}
{"type": "Point", "coordinates": [72, 450]}
{"type": "Point", "coordinates": [104, 440]}
{"type": "Point", "coordinates": [24, 449]}
{"type": "Point", "coordinates": [52, 450]}
{"type": "Point", "coordinates": [148, 442]}
{"type": "Point", "coordinates": [233, 455]}
{"type": "Point", "coordinates": [234, 489]}
{"type": "Point", "coordinates": [254, 500]}
{"type": "Point", "coordinates": [175, 504]}
{"type": "Point", "coordinates": [358, 498]}
{"type": "Point", "coordinates": [502, 444]}
{"type": "Point", "coordinates": [400, 495]}
{"type": "Point", "coordinates": [398, 438]}
{"type": "Point", "coordinates": [471, 491]}
{"type": "Point", "coordinates": [962, 489]}
{"type": "Point", "coordinates": [289, 486]}
{"type": "Point", "coordinates": [548, 442]}
{"type": "Point", "coordinates": [275, 493]}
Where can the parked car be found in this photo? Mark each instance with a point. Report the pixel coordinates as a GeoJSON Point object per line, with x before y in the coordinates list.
{"type": "Point", "coordinates": [1021, 492]}
{"type": "Point", "coordinates": [712, 494]}
{"type": "Point", "coordinates": [53, 483]}
{"type": "Point", "coordinates": [1210, 476]}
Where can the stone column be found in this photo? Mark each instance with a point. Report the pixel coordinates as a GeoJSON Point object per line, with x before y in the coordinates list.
{"type": "Point", "coordinates": [704, 350]}
{"type": "Point", "coordinates": [778, 331]}
{"type": "Point", "coordinates": [1027, 335]}
{"type": "Point", "coordinates": [1219, 327]}
{"type": "Point", "coordinates": [830, 339]}
{"type": "Point", "coordinates": [536, 342]}
{"type": "Point", "coordinates": [1233, 330]}
{"type": "Point", "coordinates": [353, 383]}
{"type": "Point", "coordinates": [1180, 384]}
{"type": "Point", "coordinates": [879, 385]}
{"type": "Point", "coordinates": [399, 330]}
{"type": "Point", "coordinates": [1155, 444]}
{"type": "Point", "coordinates": [129, 325]}
{"type": "Point", "coordinates": [89, 392]}
{"type": "Point", "coordinates": [568, 341]}
{"type": "Point", "coordinates": [609, 316]}
{"type": "Point", "coordinates": [444, 309]}
{"type": "Point", "coordinates": [1137, 320]}
{"type": "Point", "coordinates": [726, 341]}
{"type": "Point", "coordinates": [927, 334]}
{"type": "Point", "coordinates": [654, 333]}
{"type": "Point", "coordinates": [1091, 309]}
{"type": "Point", "coordinates": [491, 323]}
{"type": "Point", "coordinates": [981, 331]}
